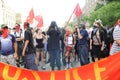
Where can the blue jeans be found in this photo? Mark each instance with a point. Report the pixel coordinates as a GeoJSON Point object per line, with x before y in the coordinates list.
{"type": "Point", "coordinates": [30, 61]}
{"type": "Point", "coordinates": [83, 54]}
{"type": "Point", "coordinates": [63, 54]}
{"type": "Point", "coordinates": [55, 58]}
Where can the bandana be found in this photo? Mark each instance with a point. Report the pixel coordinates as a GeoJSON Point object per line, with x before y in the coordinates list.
{"type": "Point", "coordinates": [67, 33]}
{"type": "Point", "coordinates": [17, 28]}
{"type": "Point", "coordinates": [5, 33]}
{"type": "Point", "coordinates": [26, 25]}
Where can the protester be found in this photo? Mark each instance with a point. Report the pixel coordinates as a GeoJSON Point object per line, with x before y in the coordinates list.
{"type": "Point", "coordinates": [28, 49]}
{"type": "Point", "coordinates": [8, 45]}
{"type": "Point", "coordinates": [62, 45]}
{"type": "Point", "coordinates": [116, 36]}
{"type": "Point", "coordinates": [19, 38]}
{"type": "Point", "coordinates": [39, 37]}
{"type": "Point", "coordinates": [110, 39]}
{"type": "Point", "coordinates": [69, 44]}
{"type": "Point", "coordinates": [54, 45]}
{"type": "Point", "coordinates": [97, 41]}
{"type": "Point", "coordinates": [76, 55]}
{"type": "Point", "coordinates": [83, 45]}
{"type": "Point", "coordinates": [45, 46]}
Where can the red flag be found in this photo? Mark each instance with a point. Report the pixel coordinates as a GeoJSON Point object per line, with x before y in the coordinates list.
{"type": "Point", "coordinates": [30, 17]}
{"type": "Point", "coordinates": [39, 19]}
{"type": "Point", "coordinates": [77, 10]}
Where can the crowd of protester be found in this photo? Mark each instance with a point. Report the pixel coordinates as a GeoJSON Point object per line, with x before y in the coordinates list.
{"type": "Point", "coordinates": [60, 47]}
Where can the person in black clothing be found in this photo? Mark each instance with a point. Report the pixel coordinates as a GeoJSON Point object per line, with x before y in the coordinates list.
{"type": "Point", "coordinates": [110, 39]}
{"type": "Point", "coordinates": [19, 38]}
{"type": "Point", "coordinates": [63, 45]}
{"type": "Point", "coordinates": [54, 45]}
{"type": "Point", "coordinates": [28, 49]}
{"type": "Point", "coordinates": [76, 45]}
{"type": "Point", "coordinates": [39, 38]}
{"type": "Point", "coordinates": [97, 41]}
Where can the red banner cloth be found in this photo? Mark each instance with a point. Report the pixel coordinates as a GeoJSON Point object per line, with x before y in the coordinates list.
{"type": "Point", "coordinates": [105, 69]}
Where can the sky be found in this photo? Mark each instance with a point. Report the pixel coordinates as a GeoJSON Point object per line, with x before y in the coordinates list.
{"type": "Point", "coordinates": [57, 10]}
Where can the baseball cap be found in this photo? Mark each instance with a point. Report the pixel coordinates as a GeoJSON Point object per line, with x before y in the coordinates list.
{"type": "Point", "coordinates": [4, 25]}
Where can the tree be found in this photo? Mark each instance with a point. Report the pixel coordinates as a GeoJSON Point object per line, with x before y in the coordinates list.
{"type": "Point", "coordinates": [109, 14]}
{"type": "Point", "coordinates": [112, 0]}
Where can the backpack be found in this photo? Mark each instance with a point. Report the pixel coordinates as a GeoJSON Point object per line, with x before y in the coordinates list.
{"type": "Point", "coordinates": [6, 45]}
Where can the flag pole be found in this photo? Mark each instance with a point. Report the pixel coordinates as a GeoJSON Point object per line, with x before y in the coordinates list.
{"type": "Point", "coordinates": [70, 17]}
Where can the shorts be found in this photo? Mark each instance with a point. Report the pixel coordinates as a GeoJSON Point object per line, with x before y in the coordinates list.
{"type": "Point", "coordinates": [96, 51]}
{"type": "Point", "coordinates": [39, 49]}
{"type": "Point", "coordinates": [68, 48]}
{"type": "Point", "coordinates": [8, 59]}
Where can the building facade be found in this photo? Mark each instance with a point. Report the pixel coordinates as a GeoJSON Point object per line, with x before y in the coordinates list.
{"type": "Point", "coordinates": [1, 11]}
{"type": "Point", "coordinates": [7, 15]}
{"type": "Point", "coordinates": [18, 18]}
{"type": "Point", "coordinates": [90, 6]}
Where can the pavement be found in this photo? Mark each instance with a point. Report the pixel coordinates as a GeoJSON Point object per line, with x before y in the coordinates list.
{"type": "Point", "coordinates": [75, 63]}
{"type": "Point", "coordinates": [48, 68]}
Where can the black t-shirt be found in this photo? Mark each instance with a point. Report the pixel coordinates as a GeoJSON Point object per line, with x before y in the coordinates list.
{"type": "Point", "coordinates": [28, 36]}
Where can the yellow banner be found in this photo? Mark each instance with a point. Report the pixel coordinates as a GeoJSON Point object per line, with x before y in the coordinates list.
{"type": "Point", "coordinates": [105, 69]}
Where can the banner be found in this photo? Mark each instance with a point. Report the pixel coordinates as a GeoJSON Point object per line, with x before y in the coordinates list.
{"type": "Point", "coordinates": [105, 69]}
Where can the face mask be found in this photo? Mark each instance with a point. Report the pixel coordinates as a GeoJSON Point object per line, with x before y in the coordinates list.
{"type": "Point", "coordinates": [67, 33]}
{"type": "Point", "coordinates": [17, 28]}
{"type": "Point", "coordinates": [5, 33]}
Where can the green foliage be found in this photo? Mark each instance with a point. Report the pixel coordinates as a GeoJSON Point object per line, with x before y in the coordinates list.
{"type": "Point", "coordinates": [112, 0]}
{"type": "Point", "coordinates": [109, 14]}
{"type": "Point", "coordinates": [71, 25]}
{"type": "Point", "coordinates": [99, 6]}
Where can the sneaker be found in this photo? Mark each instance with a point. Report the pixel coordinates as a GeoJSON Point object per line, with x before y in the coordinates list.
{"type": "Point", "coordinates": [18, 65]}
{"type": "Point", "coordinates": [70, 66]}
{"type": "Point", "coordinates": [66, 66]}
{"type": "Point", "coordinates": [43, 68]}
